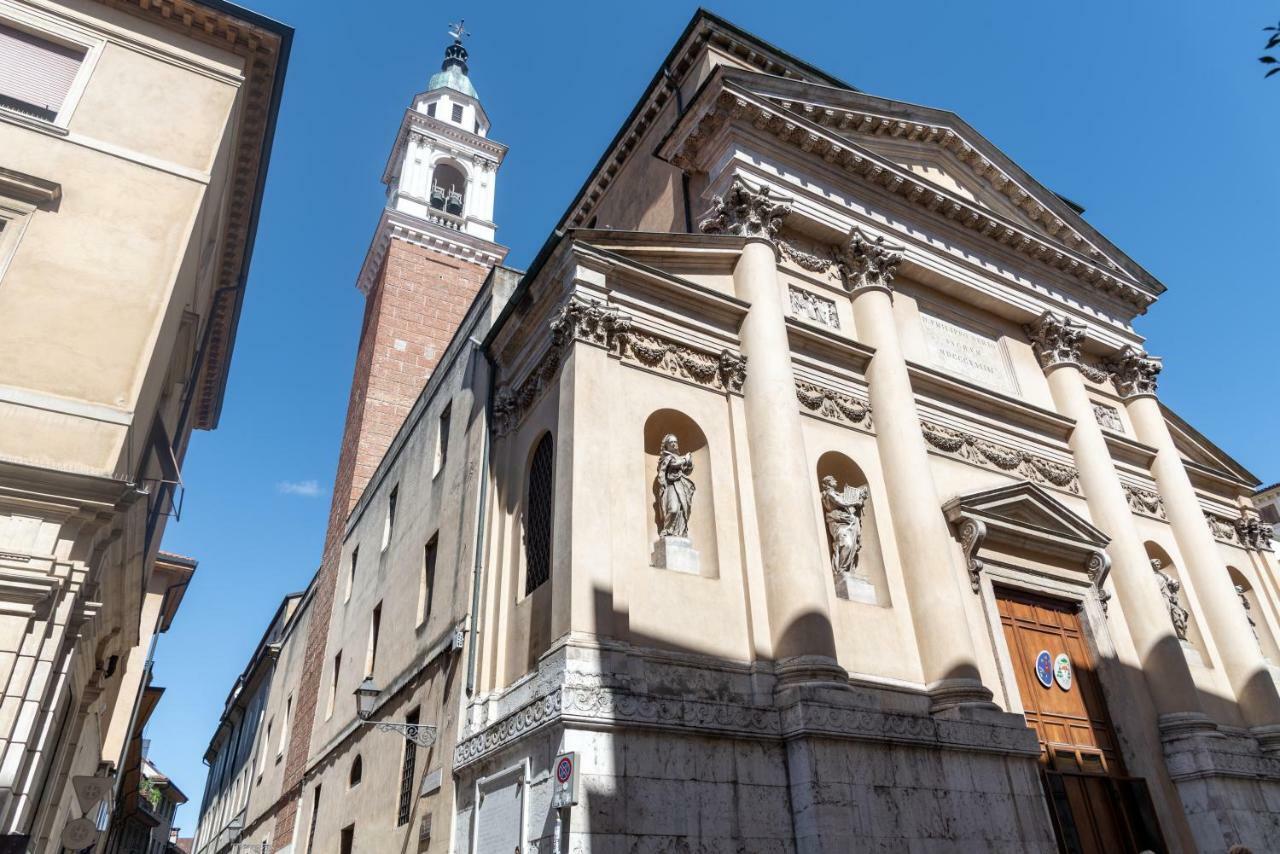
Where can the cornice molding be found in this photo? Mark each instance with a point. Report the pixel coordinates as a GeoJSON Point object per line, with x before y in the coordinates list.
{"type": "Point", "coordinates": [28, 188]}
{"type": "Point", "coordinates": [399, 225]}
{"type": "Point", "coordinates": [733, 103]}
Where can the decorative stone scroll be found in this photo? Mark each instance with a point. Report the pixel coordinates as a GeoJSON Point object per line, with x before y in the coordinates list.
{"type": "Point", "coordinates": [833, 405]}
{"type": "Point", "coordinates": [968, 447]}
{"type": "Point", "coordinates": [1134, 372]}
{"type": "Point", "coordinates": [1145, 501]}
{"type": "Point", "coordinates": [972, 533]}
{"type": "Point", "coordinates": [869, 262]}
{"type": "Point", "coordinates": [1056, 340]}
{"type": "Point", "coordinates": [812, 307]}
{"type": "Point", "coordinates": [746, 211]}
{"type": "Point", "coordinates": [1097, 567]}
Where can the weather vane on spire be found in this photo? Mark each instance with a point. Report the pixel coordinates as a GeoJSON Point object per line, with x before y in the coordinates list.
{"type": "Point", "coordinates": [457, 32]}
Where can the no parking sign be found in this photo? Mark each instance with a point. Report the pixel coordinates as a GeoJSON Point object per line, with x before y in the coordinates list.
{"type": "Point", "coordinates": [564, 774]}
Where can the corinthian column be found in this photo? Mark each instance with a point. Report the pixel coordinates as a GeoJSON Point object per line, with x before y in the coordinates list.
{"type": "Point", "coordinates": [795, 581]}
{"type": "Point", "coordinates": [1057, 344]}
{"type": "Point", "coordinates": [1134, 373]}
{"type": "Point", "coordinates": [947, 656]}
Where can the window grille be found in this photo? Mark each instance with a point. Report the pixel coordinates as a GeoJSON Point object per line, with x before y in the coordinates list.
{"type": "Point", "coordinates": [539, 505]}
{"type": "Point", "coordinates": [406, 774]}
{"type": "Point", "coordinates": [457, 112]}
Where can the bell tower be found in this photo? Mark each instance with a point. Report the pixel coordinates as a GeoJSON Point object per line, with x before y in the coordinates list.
{"type": "Point", "coordinates": [431, 252]}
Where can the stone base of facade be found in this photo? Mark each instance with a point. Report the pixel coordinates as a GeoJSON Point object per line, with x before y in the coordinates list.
{"type": "Point", "coordinates": [706, 756]}
{"type": "Point", "coordinates": [1230, 788]}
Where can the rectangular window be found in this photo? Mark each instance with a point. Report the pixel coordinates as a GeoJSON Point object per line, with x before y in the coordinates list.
{"type": "Point", "coordinates": [284, 727]}
{"type": "Point", "coordinates": [333, 687]}
{"type": "Point", "coordinates": [36, 74]}
{"type": "Point", "coordinates": [265, 747]}
{"type": "Point", "coordinates": [442, 439]}
{"type": "Point", "coordinates": [406, 774]}
{"type": "Point", "coordinates": [345, 845]}
{"type": "Point", "coordinates": [457, 112]}
{"type": "Point", "coordinates": [428, 588]}
{"type": "Point", "coordinates": [375, 625]}
{"type": "Point", "coordinates": [390, 526]}
{"type": "Point", "coordinates": [431, 109]}
{"type": "Point", "coordinates": [315, 812]}
{"type": "Point", "coordinates": [351, 573]}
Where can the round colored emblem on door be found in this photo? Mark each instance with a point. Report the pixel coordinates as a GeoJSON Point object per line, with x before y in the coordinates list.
{"type": "Point", "coordinates": [1044, 668]}
{"type": "Point", "coordinates": [1062, 671]}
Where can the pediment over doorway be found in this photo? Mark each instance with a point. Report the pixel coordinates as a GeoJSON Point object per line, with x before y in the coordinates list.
{"type": "Point", "coordinates": [1024, 519]}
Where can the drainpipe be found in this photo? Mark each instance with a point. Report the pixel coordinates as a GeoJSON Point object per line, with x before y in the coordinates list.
{"type": "Point", "coordinates": [481, 504]}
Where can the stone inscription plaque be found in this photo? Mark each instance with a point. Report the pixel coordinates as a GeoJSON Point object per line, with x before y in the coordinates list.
{"type": "Point", "coordinates": [967, 354]}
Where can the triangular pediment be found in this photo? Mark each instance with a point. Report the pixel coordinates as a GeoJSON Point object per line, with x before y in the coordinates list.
{"type": "Point", "coordinates": [935, 160]}
{"type": "Point", "coordinates": [1025, 512]}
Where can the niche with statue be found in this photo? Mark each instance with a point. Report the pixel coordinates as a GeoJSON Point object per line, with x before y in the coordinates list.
{"type": "Point", "coordinates": [852, 545]}
{"type": "Point", "coordinates": [681, 517]}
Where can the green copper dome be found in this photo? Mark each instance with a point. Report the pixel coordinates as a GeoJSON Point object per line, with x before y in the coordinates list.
{"type": "Point", "coordinates": [454, 78]}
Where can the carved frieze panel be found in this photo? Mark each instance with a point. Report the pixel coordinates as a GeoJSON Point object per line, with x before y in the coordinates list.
{"type": "Point", "coordinates": [973, 449]}
{"type": "Point", "coordinates": [1145, 501]}
{"type": "Point", "coordinates": [809, 255]}
{"type": "Point", "coordinates": [812, 307]}
{"type": "Point", "coordinates": [1108, 416]}
{"type": "Point", "coordinates": [603, 325]}
{"type": "Point", "coordinates": [1249, 532]}
{"type": "Point", "coordinates": [833, 405]}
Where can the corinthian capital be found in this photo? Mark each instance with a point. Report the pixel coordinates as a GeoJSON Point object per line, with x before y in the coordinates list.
{"type": "Point", "coordinates": [1056, 339]}
{"type": "Point", "coordinates": [1134, 372]}
{"type": "Point", "coordinates": [745, 211]}
{"type": "Point", "coordinates": [869, 262]}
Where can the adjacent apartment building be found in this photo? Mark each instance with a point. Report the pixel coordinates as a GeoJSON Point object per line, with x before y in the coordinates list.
{"type": "Point", "coordinates": [134, 137]}
{"type": "Point", "coordinates": [810, 492]}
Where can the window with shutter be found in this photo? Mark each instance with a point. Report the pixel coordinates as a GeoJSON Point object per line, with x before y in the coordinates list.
{"type": "Point", "coordinates": [35, 73]}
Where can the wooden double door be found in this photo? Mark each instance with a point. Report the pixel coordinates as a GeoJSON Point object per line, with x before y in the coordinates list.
{"type": "Point", "coordinates": [1095, 805]}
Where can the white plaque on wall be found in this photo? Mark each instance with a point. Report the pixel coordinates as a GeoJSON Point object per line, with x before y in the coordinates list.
{"type": "Point", "coordinates": [967, 353]}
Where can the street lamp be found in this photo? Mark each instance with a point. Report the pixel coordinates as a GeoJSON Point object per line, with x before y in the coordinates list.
{"type": "Point", "coordinates": [423, 735]}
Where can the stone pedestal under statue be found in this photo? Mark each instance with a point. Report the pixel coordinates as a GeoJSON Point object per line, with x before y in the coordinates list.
{"type": "Point", "coordinates": [855, 588]}
{"type": "Point", "coordinates": [676, 554]}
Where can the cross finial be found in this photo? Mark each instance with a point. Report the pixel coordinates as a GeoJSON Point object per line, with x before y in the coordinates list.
{"type": "Point", "coordinates": [457, 32]}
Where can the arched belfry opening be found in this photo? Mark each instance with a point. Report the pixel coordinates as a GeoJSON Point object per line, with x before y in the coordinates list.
{"type": "Point", "coordinates": [448, 188]}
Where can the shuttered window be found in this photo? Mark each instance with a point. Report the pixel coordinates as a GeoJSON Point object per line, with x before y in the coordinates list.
{"type": "Point", "coordinates": [35, 74]}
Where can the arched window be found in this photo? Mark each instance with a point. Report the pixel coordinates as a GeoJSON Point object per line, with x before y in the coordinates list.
{"type": "Point", "coordinates": [539, 504]}
{"type": "Point", "coordinates": [357, 771]}
{"type": "Point", "coordinates": [448, 188]}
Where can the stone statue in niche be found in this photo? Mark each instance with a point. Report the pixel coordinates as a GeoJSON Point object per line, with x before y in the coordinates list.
{"type": "Point", "coordinates": [1169, 587]}
{"type": "Point", "coordinates": [673, 493]}
{"type": "Point", "coordinates": [1244, 602]}
{"type": "Point", "coordinates": [842, 511]}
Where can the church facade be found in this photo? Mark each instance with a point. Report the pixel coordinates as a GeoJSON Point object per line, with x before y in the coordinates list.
{"type": "Point", "coordinates": [810, 492]}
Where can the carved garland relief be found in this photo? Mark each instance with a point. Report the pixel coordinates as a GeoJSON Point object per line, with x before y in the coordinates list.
{"type": "Point", "coordinates": [968, 447]}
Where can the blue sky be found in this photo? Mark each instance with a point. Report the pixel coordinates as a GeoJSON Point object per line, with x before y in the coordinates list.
{"type": "Point", "coordinates": [1155, 117]}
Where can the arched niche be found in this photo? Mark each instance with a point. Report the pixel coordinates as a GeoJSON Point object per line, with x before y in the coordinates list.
{"type": "Point", "coordinates": [448, 191]}
{"type": "Point", "coordinates": [868, 582]}
{"type": "Point", "coordinates": [1161, 560]}
{"type": "Point", "coordinates": [1253, 612]}
{"type": "Point", "coordinates": [702, 523]}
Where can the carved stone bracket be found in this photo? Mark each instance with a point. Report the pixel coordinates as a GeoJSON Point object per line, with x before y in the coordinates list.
{"type": "Point", "coordinates": [968, 447]}
{"type": "Point", "coordinates": [1134, 372]}
{"type": "Point", "coordinates": [746, 211]}
{"type": "Point", "coordinates": [972, 533]}
{"type": "Point", "coordinates": [1145, 501]}
{"type": "Point", "coordinates": [869, 262]}
{"type": "Point", "coordinates": [1056, 340]}
{"type": "Point", "coordinates": [833, 405]}
{"type": "Point", "coordinates": [1098, 566]}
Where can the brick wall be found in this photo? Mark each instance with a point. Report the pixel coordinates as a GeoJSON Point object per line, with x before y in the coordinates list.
{"type": "Point", "coordinates": [411, 313]}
